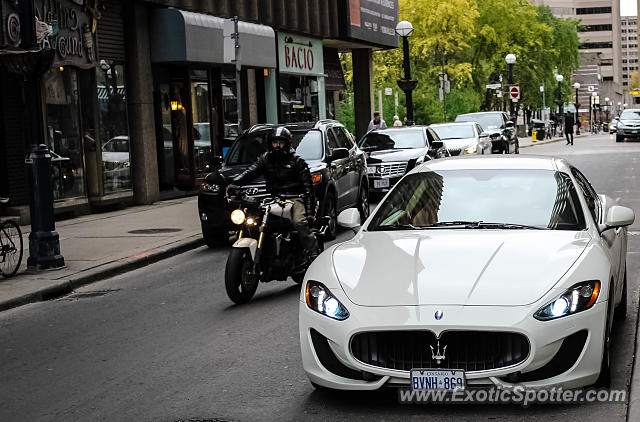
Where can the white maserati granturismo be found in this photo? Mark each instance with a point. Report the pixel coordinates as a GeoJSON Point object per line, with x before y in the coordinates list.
{"type": "Point", "coordinates": [471, 272]}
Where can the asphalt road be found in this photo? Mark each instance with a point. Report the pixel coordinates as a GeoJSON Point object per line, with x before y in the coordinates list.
{"type": "Point", "coordinates": [164, 343]}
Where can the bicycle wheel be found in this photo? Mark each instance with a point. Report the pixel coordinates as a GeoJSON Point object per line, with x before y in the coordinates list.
{"type": "Point", "coordinates": [10, 248]}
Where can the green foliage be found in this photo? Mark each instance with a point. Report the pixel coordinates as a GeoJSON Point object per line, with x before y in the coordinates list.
{"type": "Point", "coordinates": [469, 39]}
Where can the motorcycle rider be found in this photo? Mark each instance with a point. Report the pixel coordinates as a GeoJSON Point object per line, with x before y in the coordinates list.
{"type": "Point", "coordinates": [287, 174]}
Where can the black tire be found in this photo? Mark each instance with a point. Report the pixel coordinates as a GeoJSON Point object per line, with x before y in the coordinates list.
{"type": "Point", "coordinates": [239, 283]}
{"type": "Point", "coordinates": [619, 138]}
{"type": "Point", "coordinates": [363, 202]}
{"type": "Point", "coordinates": [604, 379]}
{"type": "Point", "coordinates": [331, 211]}
{"type": "Point", "coordinates": [620, 313]}
{"type": "Point", "coordinates": [215, 238]}
{"type": "Point", "coordinates": [11, 244]}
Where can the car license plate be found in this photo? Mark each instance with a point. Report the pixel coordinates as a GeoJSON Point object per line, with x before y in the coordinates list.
{"type": "Point", "coordinates": [634, 131]}
{"type": "Point", "coordinates": [371, 170]}
{"type": "Point", "coordinates": [382, 183]}
{"type": "Point", "coordinates": [437, 379]}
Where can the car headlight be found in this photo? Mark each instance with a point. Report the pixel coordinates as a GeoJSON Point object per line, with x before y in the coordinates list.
{"type": "Point", "coordinates": [320, 299]}
{"type": "Point", "coordinates": [213, 188]}
{"type": "Point", "coordinates": [578, 298]}
{"type": "Point", "coordinates": [237, 217]}
{"type": "Point", "coordinates": [471, 150]}
{"type": "Point", "coordinates": [620, 126]}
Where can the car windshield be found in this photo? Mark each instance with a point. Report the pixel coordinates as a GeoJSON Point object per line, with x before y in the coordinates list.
{"type": "Point", "coordinates": [454, 131]}
{"type": "Point", "coordinates": [486, 120]}
{"type": "Point", "coordinates": [393, 139]}
{"type": "Point", "coordinates": [630, 115]}
{"type": "Point", "coordinates": [247, 148]}
{"type": "Point", "coordinates": [540, 199]}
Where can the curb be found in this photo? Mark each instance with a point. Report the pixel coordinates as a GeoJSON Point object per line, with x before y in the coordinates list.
{"type": "Point", "coordinates": [111, 269]}
{"type": "Point", "coordinates": [551, 141]}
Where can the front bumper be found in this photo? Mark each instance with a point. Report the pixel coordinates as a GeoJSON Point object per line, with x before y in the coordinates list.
{"type": "Point", "coordinates": [628, 133]}
{"type": "Point", "coordinates": [545, 339]}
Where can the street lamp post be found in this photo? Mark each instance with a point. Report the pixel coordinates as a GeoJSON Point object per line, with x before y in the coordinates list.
{"type": "Point", "coordinates": [606, 108]}
{"type": "Point", "coordinates": [592, 111]}
{"type": "Point", "coordinates": [577, 87]}
{"type": "Point", "coordinates": [560, 78]}
{"type": "Point", "coordinates": [511, 59]}
{"type": "Point", "coordinates": [405, 29]}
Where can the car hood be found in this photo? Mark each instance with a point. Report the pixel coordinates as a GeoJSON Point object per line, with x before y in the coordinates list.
{"type": "Point", "coordinates": [455, 267]}
{"type": "Point", "coordinates": [395, 155]}
{"type": "Point", "coordinates": [232, 171]}
{"type": "Point", "coordinates": [459, 143]}
{"type": "Point", "coordinates": [493, 131]}
{"type": "Point", "coordinates": [629, 122]}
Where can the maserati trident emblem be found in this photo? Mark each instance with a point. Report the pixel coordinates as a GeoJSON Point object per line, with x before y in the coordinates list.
{"type": "Point", "coordinates": [438, 315]}
{"type": "Point", "coordinates": [435, 354]}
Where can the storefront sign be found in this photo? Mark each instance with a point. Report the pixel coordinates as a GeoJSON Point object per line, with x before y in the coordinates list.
{"type": "Point", "coordinates": [75, 21]}
{"type": "Point", "coordinates": [374, 21]}
{"type": "Point", "coordinates": [300, 55]}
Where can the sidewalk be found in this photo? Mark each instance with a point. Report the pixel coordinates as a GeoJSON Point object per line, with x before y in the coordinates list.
{"type": "Point", "coordinates": [99, 246]}
{"type": "Point", "coordinates": [526, 142]}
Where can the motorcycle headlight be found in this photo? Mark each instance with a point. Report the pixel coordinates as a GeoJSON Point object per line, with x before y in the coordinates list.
{"type": "Point", "coordinates": [471, 150]}
{"type": "Point", "coordinates": [578, 298]}
{"type": "Point", "coordinates": [213, 188]}
{"type": "Point", "coordinates": [320, 299]}
{"type": "Point", "coordinates": [237, 217]}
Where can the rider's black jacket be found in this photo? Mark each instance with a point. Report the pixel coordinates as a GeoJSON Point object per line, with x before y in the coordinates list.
{"type": "Point", "coordinates": [284, 173]}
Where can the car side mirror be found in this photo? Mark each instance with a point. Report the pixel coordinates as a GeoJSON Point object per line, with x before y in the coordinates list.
{"type": "Point", "coordinates": [510, 125]}
{"type": "Point", "coordinates": [618, 216]}
{"type": "Point", "coordinates": [484, 135]}
{"type": "Point", "coordinates": [339, 154]}
{"type": "Point", "coordinates": [437, 144]}
{"type": "Point", "coordinates": [349, 218]}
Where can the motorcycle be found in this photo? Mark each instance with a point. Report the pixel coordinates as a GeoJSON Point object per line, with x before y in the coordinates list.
{"type": "Point", "coordinates": [267, 247]}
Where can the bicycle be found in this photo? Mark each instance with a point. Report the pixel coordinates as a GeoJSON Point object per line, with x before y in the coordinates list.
{"type": "Point", "coordinates": [11, 246]}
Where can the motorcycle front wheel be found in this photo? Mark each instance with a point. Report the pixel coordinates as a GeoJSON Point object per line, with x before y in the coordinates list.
{"type": "Point", "coordinates": [239, 281]}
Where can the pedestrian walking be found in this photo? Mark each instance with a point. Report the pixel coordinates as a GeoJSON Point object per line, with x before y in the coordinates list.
{"type": "Point", "coordinates": [377, 122]}
{"type": "Point", "coordinates": [568, 127]}
{"type": "Point", "coordinates": [396, 121]}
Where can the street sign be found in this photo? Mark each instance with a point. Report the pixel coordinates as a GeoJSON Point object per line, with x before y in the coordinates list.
{"type": "Point", "coordinates": [514, 92]}
{"type": "Point", "coordinates": [447, 86]}
{"type": "Point", "coordinates": [441, 92]}
{"type": "Point", "coordinates": [493, 86]}
{"type": "Point", "coordinates": [388, 91]}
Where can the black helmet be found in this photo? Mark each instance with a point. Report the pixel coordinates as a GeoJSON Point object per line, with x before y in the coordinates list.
{"type": "Point", "coordinates": [283, 134]}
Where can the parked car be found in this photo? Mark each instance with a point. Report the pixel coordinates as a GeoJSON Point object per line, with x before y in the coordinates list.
{"type": "Point", "coordinates": [501, 130]}
{"type": "Point", "coordinates": [628, 126]}
{"type": "Point", "coordinates": [392, 152]}
{"type": "Point", "coordinates": [613, 125]}
{"type": "Point", "coordinates": [463, 138]}
{"type": "Point", "coordinates": [116, 162]}
{"type": "Point", "coordinates": [521, 253]}
{"type": "Point", "coordinates": [338, 169]}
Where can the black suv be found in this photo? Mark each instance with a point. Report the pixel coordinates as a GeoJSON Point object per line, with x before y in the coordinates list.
{"type": "Point", "coordinates": [501, 130]}
{"type": "Point", "coordinates": [393, 152]}
{"type": "Point", "coordinates": [338, 169]}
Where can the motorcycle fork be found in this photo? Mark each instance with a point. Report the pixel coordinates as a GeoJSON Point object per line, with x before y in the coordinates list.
{"type": "Point", "coordinates": [263, 226]}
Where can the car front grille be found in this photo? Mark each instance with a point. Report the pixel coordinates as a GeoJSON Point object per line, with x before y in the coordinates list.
{"type": "Point", "coordinates": [468, 350]}
{"type": "Point", "coordinates": [392, 169]}
{"type": "Point", "coordinates": [455, 151]}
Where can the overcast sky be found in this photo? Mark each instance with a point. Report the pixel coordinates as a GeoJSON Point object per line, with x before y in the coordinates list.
{"type": "Point", "coordinates": [628, 7]}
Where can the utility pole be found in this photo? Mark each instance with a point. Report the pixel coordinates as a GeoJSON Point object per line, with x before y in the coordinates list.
{"type": "Point", "coordinates": [236, 37]}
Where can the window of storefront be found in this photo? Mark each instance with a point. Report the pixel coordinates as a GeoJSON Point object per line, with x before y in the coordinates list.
{"type": "Point", "coordinates": [64, 132]}
{"type": "Point", "coordinates": [298, 98]}
{"type": "Point", "coordinates": [200, 109]}
{"type": "Point", "coordinates": [114, 130]}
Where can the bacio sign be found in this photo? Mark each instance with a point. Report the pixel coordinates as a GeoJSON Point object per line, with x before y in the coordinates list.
{"type": "Point", "coordinates": [300, 55]}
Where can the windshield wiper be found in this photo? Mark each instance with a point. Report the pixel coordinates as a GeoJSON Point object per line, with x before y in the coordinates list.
{"type": "Point", "coordinates": [482, 225]}
{"type": "Point", "coordinates": [396, 227]}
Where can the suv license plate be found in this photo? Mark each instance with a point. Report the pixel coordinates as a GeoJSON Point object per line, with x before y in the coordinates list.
{"type": "Point", "coordinates": [382, 183]}
{"type": "Point", "coordinates": [437, 379]}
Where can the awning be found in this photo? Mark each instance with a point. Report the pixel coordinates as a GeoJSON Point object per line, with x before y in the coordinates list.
{"type": "Point", "coordinates": [178, 36]}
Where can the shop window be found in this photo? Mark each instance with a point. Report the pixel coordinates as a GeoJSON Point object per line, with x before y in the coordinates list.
{"type": "Point", "coordinates": [64, 132]}
{"type": "Point", "coordinates": [298, 98]}
{"type": "Point", "coordinates": [114, 130]}
{"type": "Point", "coordinates": [202, 146]}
